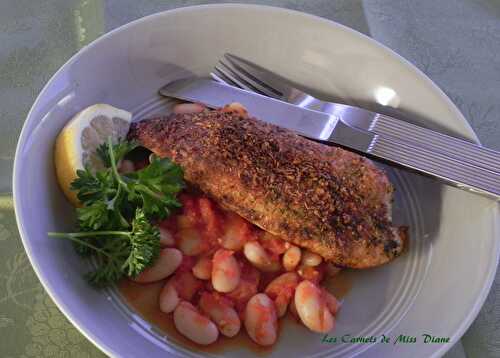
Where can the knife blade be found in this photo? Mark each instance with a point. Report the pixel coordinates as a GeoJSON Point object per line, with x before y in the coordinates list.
{"type": "Point", "coordinates": [331, 129]}
{"type": "Point", "coordinates": [312, 124]}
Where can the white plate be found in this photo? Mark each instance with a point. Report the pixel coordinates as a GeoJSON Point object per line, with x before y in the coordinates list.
{"type": "Point", "coordinates": [437, 287]}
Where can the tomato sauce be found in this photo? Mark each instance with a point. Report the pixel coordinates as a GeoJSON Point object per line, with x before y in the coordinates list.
{"type": "Point", "coordinates": [203, 222]}
{"type": "Point", "coordinates": [143, 298]}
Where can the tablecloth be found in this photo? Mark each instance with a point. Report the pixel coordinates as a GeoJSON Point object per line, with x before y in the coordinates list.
{"type": "Point", "coordinates": [455, 42]}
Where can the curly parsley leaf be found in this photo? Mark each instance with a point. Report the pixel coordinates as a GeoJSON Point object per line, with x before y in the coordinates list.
{"type": "Point", "coordinates": [155, 187]}
{"type": "Point", "coordinates": [114, 221]}
{"type": "Point", "coordinates": [118, 253]}
{"type": "Point", "coordinates": [120, 150]}
{"type": "Point", "coordinates": [93, 187]}
{"type": "Point", "coordinates": [144, 245]}
{"type": "Point", "coordinates": [93, 217]}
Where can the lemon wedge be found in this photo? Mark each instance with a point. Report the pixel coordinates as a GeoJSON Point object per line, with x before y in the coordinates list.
{"type": "Point", "coordinates": [77, 142]}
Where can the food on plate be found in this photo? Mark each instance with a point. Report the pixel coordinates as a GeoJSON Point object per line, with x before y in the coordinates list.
{"type": "Point", "coordinates": [333, 202]}
{"type": "Point", "coordinates": [261, 321]}
{"type": "Point", "coordinates": [312, 308]}
{"type": "Point", "coordinates": [221, 311]}
{"type": "Point", "coordinates": [169, 298]}
{"type": "Point", "coordinates": [169, 259]}
{"type": "Point", "coordinates": [263, 217]}
{"type": "Point", "coordinates": [225, 271]}
{"type": "Point", "coordinates": [281, 290]}
{"type": "Point", "coordinates": [195, 326]}
{"type": "Point", "coordinates": [77, 143]}
{"type": "Point", "coordinates": [222, 284]}
{"type": "Point", "coordinates": [115, 221]}
{"type": "Point", "coordinates": [291, 258]}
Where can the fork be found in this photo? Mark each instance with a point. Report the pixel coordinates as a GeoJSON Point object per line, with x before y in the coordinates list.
{"type": "Point", "coordinates": [332, 130]}
{"type": "Point", "coordinates": [243, 74]}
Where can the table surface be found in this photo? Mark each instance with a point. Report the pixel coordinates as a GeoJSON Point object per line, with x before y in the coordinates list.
{"type": "Point", "coordinates": [455, 42]}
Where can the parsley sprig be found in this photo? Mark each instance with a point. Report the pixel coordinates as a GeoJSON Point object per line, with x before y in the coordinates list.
{"type": "Point", "coordinates": [114, 223]}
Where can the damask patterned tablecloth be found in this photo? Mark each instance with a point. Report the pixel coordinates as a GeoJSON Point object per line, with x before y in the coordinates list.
{"type": "Point", "coordinates": [455, 42]}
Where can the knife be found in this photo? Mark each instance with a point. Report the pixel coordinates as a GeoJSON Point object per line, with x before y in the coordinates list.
{"type": "Point", "coordinates": [330, 129]}
{"type": "Point", "coordinates": [241, 73]}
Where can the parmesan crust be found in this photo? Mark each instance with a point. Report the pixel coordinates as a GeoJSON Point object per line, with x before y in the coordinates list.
{"type": "Point", "coordinates": [326, 199]}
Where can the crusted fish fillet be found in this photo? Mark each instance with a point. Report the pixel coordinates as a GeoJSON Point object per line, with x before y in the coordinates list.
{"type": "Point", "coordinates": [326, 199]}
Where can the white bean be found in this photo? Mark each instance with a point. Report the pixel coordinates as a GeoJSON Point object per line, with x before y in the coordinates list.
{"type": "Point", "coordinates": [236, 232]}
{"type": "Point", "coordinates": [169, 298]}
{"type": "Point", "coordinates": [232, 239]}
{"type": "Point", "coordinates": [166, 237]}
{"type": "Point", "coordinates": [190, 323]}
{"type": "Point", "coordinates": [257, 255]}
{"type": "Point", "coordinates": [126, 166]}
{"type": "Point", "coordinates": [237, 108]}
{"type": "Point", "coordinates": [291, 258]}
{"type": "Point", "coordinates": [190, 242]}
{"type": "Point", "coordinates": [165, 265]}
{"type": "Point", "coordinates": [281, 290]}
{"type": "Point", "coordinates": [331, 301]}
{"type": "Point", "coordinates": [203, 268]}
{"type": "Point", "coordinates": [312, 308]}
{"type": "Point", "coordinates": [311, 259]}
{"type": "Point", "coordinates": [188, 108]}
{"type": "Point", "coordinates": [220, 312]}
{"type": "Point", "coordinates": [281, 303]}
{"type": "Point", "coordinates": [225, 271]}
{"type": "Point", "coordinates": [285, 282]}
{"type": "Point", "coordinates": [311, 273]}
{"type": "Point", "coordinates": [261, 321]}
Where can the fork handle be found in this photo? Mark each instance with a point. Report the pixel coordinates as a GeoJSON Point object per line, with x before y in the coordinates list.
{"type": "Point", "coordinates": [460, 174]}
{"type": "Point", "coordinates": [415, 135]}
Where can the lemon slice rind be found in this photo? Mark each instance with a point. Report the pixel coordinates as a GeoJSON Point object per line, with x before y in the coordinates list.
{"type": "Point", "coordinates": [76, 143]}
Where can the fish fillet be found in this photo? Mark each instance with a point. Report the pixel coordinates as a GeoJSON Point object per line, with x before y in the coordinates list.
{"type": "Point", "coordinates": [326, 199]}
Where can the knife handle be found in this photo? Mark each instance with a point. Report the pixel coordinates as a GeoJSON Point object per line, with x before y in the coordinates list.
{"type": "Point", "coordinates": [460, 174]}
